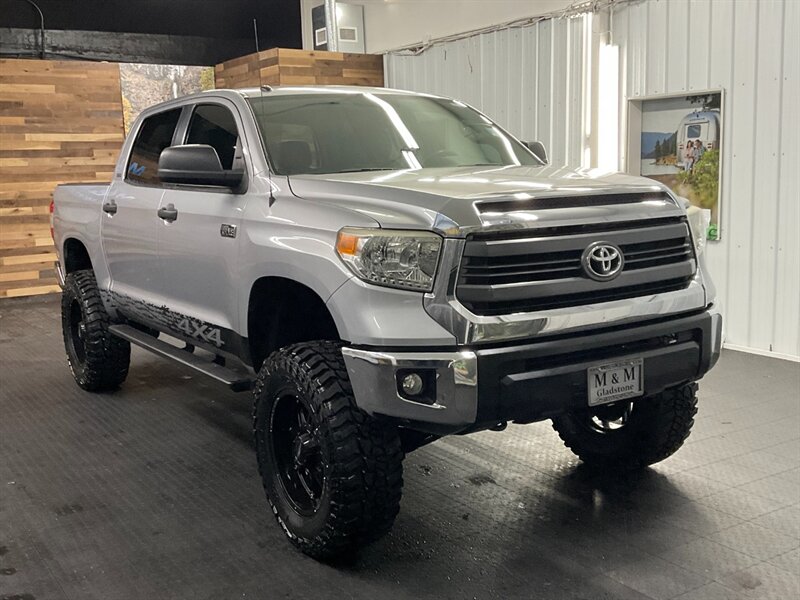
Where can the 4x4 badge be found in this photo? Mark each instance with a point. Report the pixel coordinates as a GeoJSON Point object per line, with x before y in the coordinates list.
{"type": "Point", "coordinates": [602, 261]}
{"type": "Point", "coordinates": [226, 230]}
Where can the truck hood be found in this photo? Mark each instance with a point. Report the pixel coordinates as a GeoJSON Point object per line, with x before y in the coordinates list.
{"type": "Point", "coordinates": [458, 200]}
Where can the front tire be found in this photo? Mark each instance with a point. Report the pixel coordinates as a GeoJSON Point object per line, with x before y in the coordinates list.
{"type": "Point", "coordinates": [98, 359]}
{"type": "Point", "coordinates": [630, 435]}
{"type": "Point", "coordinates": [332, 474]}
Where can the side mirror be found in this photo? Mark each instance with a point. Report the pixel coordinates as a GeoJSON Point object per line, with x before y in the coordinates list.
{"type": "Point", "coordinates": [196, 164]}
{"type": "Point", "coordinates": [538, 150]}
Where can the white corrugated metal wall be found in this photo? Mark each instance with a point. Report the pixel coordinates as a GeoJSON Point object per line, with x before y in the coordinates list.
{"type": "Point", "coordinates": [530, 80]}
{"type": "Point", "coordinates": [750, 48]}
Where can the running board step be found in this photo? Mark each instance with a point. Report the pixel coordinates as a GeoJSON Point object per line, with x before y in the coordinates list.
{"type": "Point", "coordinates": [235, 381]}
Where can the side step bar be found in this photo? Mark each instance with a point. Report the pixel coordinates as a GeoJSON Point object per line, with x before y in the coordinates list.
{"type": "Point", "coordinates": [235, 381]}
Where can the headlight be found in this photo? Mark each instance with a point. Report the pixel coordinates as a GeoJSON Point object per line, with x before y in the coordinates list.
{"type": "Point", "coordinates": [699, 219]}
{"type": "Point", "coordinates": [392, 258]}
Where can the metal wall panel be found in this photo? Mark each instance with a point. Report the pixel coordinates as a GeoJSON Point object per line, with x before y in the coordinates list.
{"type": "Point", "coordinates": [750, 49]}
{"type": "Point", "coordinates": [530, 80]}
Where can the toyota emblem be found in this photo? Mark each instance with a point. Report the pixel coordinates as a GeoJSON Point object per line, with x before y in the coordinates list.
{"type": "Point", "coordinates": [602, 261]}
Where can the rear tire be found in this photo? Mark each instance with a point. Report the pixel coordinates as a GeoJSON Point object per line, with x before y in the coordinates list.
{"type": "Point", "coordinates": [332, 474]}
{"type": "Point", "coordinates": [627, 436]}
{"type": "Point", "coordinates": [98, 360]}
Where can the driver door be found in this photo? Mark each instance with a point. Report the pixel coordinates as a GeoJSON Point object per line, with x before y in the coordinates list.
{"type": "Point", "coordinates": [199, 248]}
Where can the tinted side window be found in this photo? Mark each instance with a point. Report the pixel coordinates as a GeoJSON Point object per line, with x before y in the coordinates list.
{"type": "Point", "coordinates": [214, 125]}
{"type": "Point", "coordinates": [154, 135]}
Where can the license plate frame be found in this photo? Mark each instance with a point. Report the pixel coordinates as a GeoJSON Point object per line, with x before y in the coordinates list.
{"type": "Point", "coordinates": [615, 381]}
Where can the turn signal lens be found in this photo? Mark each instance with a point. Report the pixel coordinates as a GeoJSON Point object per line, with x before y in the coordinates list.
{"type": "Point", "coordinates": [346, 243]}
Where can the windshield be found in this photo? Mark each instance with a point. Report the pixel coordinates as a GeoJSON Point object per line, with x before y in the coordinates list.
{"type": "Point", "coordinates": [323, 133]}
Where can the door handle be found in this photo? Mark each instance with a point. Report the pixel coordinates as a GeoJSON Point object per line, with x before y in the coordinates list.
{"type": "Point", "coordinates": [168, 212]}
{"type": "Point", "coordinates": [110, 207]}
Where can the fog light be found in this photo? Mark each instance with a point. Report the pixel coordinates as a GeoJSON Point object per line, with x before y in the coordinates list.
{"type": "Point", "coordinates": [412, 384]}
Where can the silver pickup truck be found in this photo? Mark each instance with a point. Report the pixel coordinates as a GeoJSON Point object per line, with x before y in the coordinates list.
{"type": "Point", "coordinates": [383, 268]}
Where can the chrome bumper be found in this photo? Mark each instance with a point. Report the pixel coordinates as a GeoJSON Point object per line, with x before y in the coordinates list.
{"type": "Point", "coordinates": [373, 375]}
{"type": "Point", "coordinates": [717, 337]}
{"type": "Point", "coordinates": [59, 274]}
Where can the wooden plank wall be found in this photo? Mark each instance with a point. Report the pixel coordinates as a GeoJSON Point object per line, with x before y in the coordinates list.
{"type": "Point", "coordinates": [243, 71]}
{"type": "Point", "coordinates": [282, 66]}
{"type": "Point", "coordinates": [60, 121]}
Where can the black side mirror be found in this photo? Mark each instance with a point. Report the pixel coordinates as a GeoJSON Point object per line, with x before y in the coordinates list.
{"type": "Point", "coordinates": [538, 149]}
{"type": "Point", "coordinates": [196, 164]}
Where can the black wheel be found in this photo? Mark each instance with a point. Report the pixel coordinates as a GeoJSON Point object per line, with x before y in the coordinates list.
{"type": "Point", "coordinates": [630, 435]}
{"type": "Point", "coordinates": [98, 360]}
{"type": "Point", "coordinates": [332, 474]}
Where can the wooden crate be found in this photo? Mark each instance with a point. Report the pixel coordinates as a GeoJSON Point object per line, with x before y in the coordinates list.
{"type": "Point", "coordinates": [60, 121]}
{"type": "Point", "coordinates": [283, 66]}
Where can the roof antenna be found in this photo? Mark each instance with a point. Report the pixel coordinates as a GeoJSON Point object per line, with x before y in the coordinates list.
{"type": "Point", "coordinates": [262, 88]}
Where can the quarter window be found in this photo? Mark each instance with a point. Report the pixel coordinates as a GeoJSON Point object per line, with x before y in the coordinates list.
{"type": "Point", "coordinates": [154, 135]}
{"type": "Point", "coordinates": [214, 125]}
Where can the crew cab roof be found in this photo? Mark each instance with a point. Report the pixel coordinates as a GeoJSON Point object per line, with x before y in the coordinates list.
{"type": "Point", "coordinates": [319, 89]}
{"type": "Point", "coordinates": [276, 90]}
{"type": "Point", "coordinates": [238, 94]}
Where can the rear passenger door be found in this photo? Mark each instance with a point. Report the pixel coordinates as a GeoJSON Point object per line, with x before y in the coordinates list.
{"type": "Point", "coordinates": [199, 249]}
{"type": "Point", "coordinates": [130, 220]}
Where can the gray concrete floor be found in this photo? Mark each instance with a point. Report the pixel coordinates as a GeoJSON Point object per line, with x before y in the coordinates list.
{"type": "Point", "coordinates": [152, 492]}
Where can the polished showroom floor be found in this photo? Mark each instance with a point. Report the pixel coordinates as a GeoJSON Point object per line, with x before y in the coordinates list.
{"type": "Point", "coordinates": [152, 492]}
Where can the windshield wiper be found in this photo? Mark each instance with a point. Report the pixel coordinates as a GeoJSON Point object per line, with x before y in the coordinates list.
{"type": "Point", "coordinates": [362, 170]}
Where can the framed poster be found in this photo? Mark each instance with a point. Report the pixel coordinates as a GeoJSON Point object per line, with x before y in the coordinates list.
{"type": "Point", "coordinates": [677, 140]}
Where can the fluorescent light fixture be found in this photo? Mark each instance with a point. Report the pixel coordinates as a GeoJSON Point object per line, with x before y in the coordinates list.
{"type": "Point", "coordinates": [465, 179]}
{"type": "Point", "coordinates": [526, 184]}
{"type": "Point", "coordinates": [389, 176]}
{"type": "Point", "coordinates": [608, 109]}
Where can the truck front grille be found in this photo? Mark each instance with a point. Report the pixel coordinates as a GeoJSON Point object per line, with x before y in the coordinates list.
{"type": "Point", "coordinates": [527, 271]}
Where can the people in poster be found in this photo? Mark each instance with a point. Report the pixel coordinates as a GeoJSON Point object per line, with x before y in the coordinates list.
{"type": "Point", "coordinates": [688, 157]}
{"type": "Point", "coordinates": [698, 151]}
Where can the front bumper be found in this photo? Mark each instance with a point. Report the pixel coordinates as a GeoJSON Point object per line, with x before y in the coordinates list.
{"type": "Point", "coordinates": [477, 388]}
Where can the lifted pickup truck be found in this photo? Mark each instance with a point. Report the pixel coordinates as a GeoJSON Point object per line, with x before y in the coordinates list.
{"type": "Point", "coordinates": [384, 268]}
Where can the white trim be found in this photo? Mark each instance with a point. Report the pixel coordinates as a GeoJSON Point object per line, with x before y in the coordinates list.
{"type": "Point", "coordinates": [760, 352]}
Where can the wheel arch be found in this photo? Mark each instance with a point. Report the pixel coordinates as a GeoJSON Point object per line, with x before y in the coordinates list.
{"type": "Point", "coordinates": [282, 311]}
{"type": "Point", "coordinates": [76, 256]}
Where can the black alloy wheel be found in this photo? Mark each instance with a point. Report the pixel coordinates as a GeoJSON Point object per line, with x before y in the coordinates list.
{"type": "Point", "coordinates": [297, 452]}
